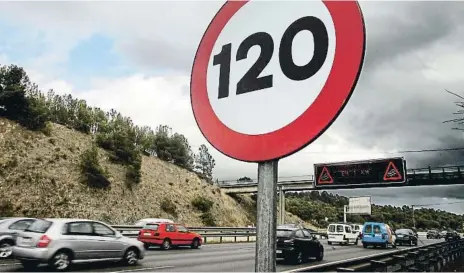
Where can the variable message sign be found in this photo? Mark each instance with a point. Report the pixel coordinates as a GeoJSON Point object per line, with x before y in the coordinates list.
{"type": "Point", "coordinates": [357, 173]}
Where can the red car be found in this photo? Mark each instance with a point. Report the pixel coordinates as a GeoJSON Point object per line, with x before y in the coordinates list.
{"type": "Point", "coordinates": [167, 235]}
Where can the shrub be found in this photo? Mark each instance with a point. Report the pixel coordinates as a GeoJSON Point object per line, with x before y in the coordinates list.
{"type": "Point", "coordinates": [202, 204]}
{"type": "Point", "coordinates": [169, 207]}
{"type": "Point", "coordinates": [208, 219]}
{"type": "Point", "coordinates": [90, 166]}
{"type": "Point", "coordinates": [6, 208]}
{"type": "Point", "coordinates": [47, 129]}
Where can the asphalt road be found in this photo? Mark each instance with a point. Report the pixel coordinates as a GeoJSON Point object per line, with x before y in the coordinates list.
{"type": "Point", "coordinates": [210, 258]}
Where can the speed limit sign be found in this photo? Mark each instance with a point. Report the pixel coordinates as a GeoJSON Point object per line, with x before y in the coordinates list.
{"type": "Point", "coordinates": [270, 77]}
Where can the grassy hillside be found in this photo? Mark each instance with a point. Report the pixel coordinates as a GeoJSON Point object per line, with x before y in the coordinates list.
{"type": "Point", "coordinates": [40, 177]}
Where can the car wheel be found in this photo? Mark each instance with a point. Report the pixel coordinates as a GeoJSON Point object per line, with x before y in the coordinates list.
{"type": "Point", "coordinates": [60, 261]}
{"type": "Point", "coordinates": [131, 256]}
{"type": "Point", "coordinates": [329, 243]}
{"type": "Point", "coordinates": [6, 249]}
{"type": "Point", "coordinates": [29, 264]}
{"type": "Point", "coordinates": [356, 242]}
{"type": "Point", "coordinates": [166, 244]}
{"type": "Point", "coordinates": [195, 243]}
{"type": "Point", "coordinates": [320, 254]}
{"type": "Point", "coordinates": [364, 245]}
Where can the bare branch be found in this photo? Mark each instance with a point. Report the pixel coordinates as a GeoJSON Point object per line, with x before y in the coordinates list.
{"type": "Point", "coordinates": [454, 94]}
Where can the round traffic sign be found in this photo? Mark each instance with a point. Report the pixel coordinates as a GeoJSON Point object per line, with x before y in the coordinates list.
{"type": "Point", "coordinates": [270, 77]}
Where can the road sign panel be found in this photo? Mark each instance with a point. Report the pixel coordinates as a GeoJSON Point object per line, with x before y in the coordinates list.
{"type": "Point", "coordinates": [359, 205]}
{"type": "Point", "coordinates": [325, 177]}
{"type": "Point", "coordinates": [270, 77]}
{"type": "Point", "coordinates": [392, 173]}
{"type": "Point", "coordinates": [384, 171]}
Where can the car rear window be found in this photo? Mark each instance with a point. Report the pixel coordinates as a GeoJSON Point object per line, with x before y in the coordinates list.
{"type": "Point", "coordinates": [402, 231]}
{"type": "Point", "coordinates": [284, 233]}
{"type": "Point", "coordinates": [151, 226]}
{"type": "Point", "coordinates": [332, 228]}
{"type": "Point", "coordinates": [368, 229]}
{"type": "Point", "coordinates": [39, 226]}
{"type": "Point", "coordinates": [377, 229]}
{"type": "Point", "coordinates": [339, 228]}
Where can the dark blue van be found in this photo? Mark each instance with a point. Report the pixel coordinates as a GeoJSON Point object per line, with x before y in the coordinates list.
{"type": "Point", "coordinates": [378, 234]}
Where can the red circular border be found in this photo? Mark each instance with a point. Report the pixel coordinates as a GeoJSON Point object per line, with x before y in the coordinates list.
{"type": "Point", "coordinates": [349, 55]}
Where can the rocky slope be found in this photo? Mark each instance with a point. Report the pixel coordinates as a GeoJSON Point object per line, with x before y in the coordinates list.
{"type": "Point", "coordinates": [40, 177]}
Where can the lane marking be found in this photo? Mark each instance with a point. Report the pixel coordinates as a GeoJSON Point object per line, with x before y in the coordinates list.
{"type": "Point", "coordinates": [145, 268]}
{"type": "Point", "coordinates": [10, 264]}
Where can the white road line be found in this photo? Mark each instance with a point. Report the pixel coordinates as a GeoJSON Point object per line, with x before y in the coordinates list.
{"type": "Point", "coordinates": [10, 264]}
{"type": "Point", "coordinates": [145, 268]}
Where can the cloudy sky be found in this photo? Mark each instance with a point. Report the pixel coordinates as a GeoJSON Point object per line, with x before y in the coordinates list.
{"type": "Point", "coordinates": [136, 57]}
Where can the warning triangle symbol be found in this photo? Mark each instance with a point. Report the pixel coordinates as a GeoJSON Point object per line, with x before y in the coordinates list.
{"type": "Point", "coordinates": [392, 173]}
{"type": "Point", "coordinates": [325, 177]}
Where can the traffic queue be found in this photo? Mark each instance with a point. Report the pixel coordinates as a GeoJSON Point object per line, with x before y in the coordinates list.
{"type": "Point", "coordinates": [59, 243]}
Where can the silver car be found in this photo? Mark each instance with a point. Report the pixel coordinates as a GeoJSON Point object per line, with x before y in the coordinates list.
{"type": "Point", "coordinates": [9, 229]}
{"type": "Point", "coordinates": [61, 242]}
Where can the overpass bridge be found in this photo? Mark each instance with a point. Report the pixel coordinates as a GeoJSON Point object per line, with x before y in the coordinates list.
{"type": "Point", "coordinates": [429, 176]}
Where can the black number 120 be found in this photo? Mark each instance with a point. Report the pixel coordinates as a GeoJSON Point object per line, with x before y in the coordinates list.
{"type": "Point", "coordinates": [251, 81]}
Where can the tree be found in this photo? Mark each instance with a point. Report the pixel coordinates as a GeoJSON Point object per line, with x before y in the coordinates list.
{"type": "Point", "coordinates": [245, 179]}
{"type": "Point", "coordinates": [204, 162]}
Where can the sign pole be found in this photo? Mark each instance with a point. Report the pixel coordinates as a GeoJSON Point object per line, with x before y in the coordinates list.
{"type": "Point", "coordinates": [344, 213]}
{"type": "Point", "coordinates": [266, 225]}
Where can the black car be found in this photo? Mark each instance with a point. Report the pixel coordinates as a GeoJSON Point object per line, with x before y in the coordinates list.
{"type": "Point", "coordinates": [406, 237]}
{"type": "Point", "coordinates": [452, 236]}
{"type": "Point", "coordinates": [433, 234]}
{"type": "Point", "coordinates": [297, 245]}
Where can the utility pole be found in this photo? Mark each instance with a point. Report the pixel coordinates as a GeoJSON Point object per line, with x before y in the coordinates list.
{"type": "Point", "coordinates": [413, 218]}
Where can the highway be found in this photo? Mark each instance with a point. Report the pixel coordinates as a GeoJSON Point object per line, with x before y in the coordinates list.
{"type": "Point", "coordinates": [238, 257]}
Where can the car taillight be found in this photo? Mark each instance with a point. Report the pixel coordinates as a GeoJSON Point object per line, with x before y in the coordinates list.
{"type": "Point", "coordinates": [44, 241]}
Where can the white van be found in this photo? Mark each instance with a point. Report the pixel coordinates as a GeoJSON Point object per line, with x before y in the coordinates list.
{"type": "Point", "coordinates": [342, 234]}
{"type": "Point", "coordinates": [358, 228]}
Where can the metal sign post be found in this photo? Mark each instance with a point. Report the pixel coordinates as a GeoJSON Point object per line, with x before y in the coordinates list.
{"type": "Point", "coordinates": [259, 95]}
{"type": "Point", "coordinates": [266, 217]}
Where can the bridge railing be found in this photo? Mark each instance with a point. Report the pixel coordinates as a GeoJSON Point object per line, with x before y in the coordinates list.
{"type": "Point", "coordinates": [209, 232]}
{"type": "Point", "coordinates": [430, 258]}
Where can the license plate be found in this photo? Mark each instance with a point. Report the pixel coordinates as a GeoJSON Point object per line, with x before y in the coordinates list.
{"type": "Point", "coordinates": [147, 233]}
{"type": "Point", "coordinates": [332, 237]}
{"type": "Point", "coordinates": [278, 251]}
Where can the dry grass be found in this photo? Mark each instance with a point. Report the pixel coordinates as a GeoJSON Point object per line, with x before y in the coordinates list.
{"type": "Point", "coordinates": [40, 178]}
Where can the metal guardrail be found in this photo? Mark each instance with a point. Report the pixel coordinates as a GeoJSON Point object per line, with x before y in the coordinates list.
{"type": "Point", "coordinates": [429, 258]}
{"type": "Point", "coordinates": [207, 232]}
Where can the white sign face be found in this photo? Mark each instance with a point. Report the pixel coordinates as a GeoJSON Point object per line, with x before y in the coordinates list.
{"type": "Point", "coordinates": [359, 205]}
{"type": "Point", "coordinates": [255, 96]}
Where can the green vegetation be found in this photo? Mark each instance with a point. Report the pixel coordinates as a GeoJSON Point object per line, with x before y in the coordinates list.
{"type": "Point", "coordinates": [204, 205]}
{"type": "Point", "coordinates": [169, 207]}
{"type": "Point", "coordinates": [96, 176]}
{"type": "Point", "coordinates": [23, 102]}
{"type": "Point", "coordinates": [314, 207]}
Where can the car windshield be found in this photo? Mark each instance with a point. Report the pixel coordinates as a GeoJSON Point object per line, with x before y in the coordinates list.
{"type": "Point", "coordinates": [402, 231]}
{"type": "Point", "coordinates": [284, 233]}
{"type": "Point", "coordinates": [39, 226]}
